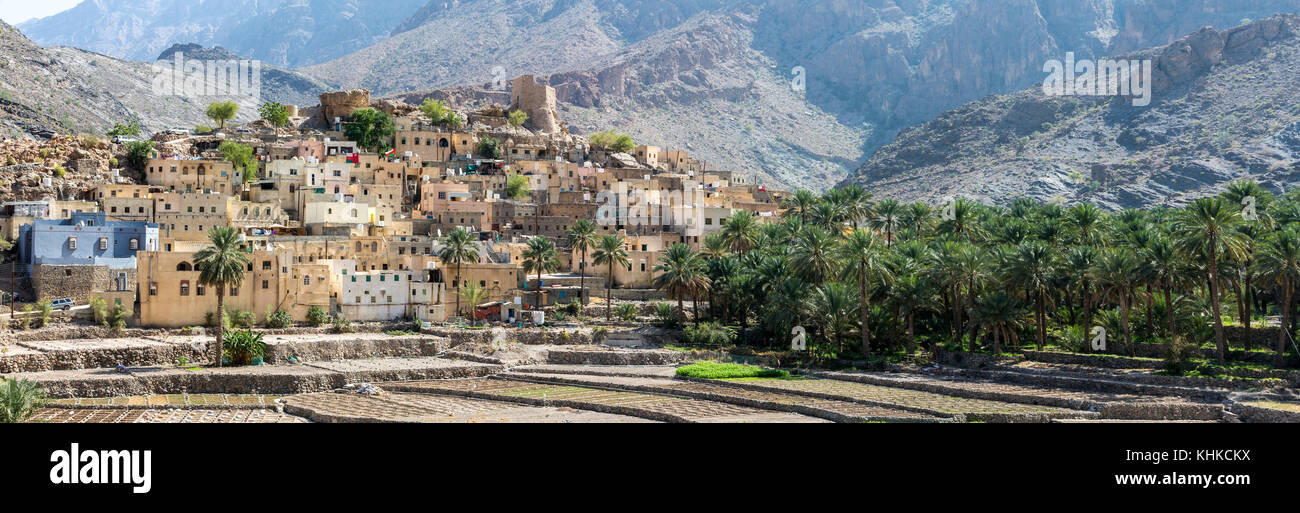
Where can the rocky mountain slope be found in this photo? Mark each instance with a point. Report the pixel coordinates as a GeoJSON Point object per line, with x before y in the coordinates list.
{"type": "Point", "coordinates": [45, 91]}
{"type": "Point", "coordinates": [1225, 107]}
{"type": "Point", "coordinates": [717, 71]}
{"type": "Point", "coordinates": [286, 33]}
{"type": "Point", "coordinates": [872, 68]}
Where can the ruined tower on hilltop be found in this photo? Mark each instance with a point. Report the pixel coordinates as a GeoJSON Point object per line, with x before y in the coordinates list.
{"type": "Point", "coordinates": [536, 100]}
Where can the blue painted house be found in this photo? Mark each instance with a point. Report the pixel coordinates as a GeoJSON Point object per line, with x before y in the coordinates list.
{"type": "Point", "coordinates": [87, 238]}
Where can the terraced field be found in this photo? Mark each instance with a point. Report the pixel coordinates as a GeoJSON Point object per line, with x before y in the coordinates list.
{"type": "Point", "coordinates": [972, 409]}
{"type": "Point", "coordinates": [651, 406]}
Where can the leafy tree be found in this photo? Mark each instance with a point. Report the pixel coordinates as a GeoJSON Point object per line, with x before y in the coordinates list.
{"type": "Point", "coordinates": [20, 399]}
{"type": "Point", "coordinates": [517, 187]}
{"type": "Point", "coordinates": [137, 154]}
{"type": "Point", "coordinates": [221, 265]}
{"type": "Point", "coordinates": [241, 157]}
{"type": "Point", "coordinates": [517, 118]}
{"type": "Point", "coordinates": [865, 261]}
{"type": "Point", "coordinates": [370, 129]}
{"type": "Point", "coordinates": [610, 140]}
{"type": "Point", "coordinates": [131, 129]}
{"type": "Point", "coordinates": [221, 112]}
{"type": "Point", "coordinates": [274, 113]}
{"type": "Point", "coordinates": [489, 148]}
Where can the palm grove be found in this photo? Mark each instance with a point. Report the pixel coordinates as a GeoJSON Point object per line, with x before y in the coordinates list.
{"type": "Point", "coordinates": [985, 278]}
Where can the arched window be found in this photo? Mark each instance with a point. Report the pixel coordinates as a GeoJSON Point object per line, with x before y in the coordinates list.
{"type": "Point", "coordinates": [443, 143]}
{"type": "Point", "coordinates": [184, 267]}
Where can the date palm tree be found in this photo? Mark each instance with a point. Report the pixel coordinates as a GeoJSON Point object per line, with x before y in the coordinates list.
{"type": "Point", "coordinates": [740, 232]}
{"type": "Point", "coordinates": [800, 204]}
{"type": "Point", "coordinates": [886, 219]}
{"type": "Point", "coordinates": [912, 294]}
{"type": "Point", "coordinates": [1207, 229]}
{"type": "Point", "coordinates": [1114, 273]}
{"type": "Point", "coordinates": [814, 254]}
{"type": "Point", "coordinates": [681, 274]}
{"type": "Point", "coordinates": [999, 313]}
{"type": "Point", "coordinates": [832, 307]}
{"type": "Point", "coordinates": [1031, 268]}
{"type": "Point", "coordinates": [458, 247]}
{"type": "Point", "coordinates": [611, 251]}
{"type": "Point", "coordinates": [1279, 262]}
{"type": "Point", "coordinates": [868, 264]}
{"type": "Point", "coordinates": [221, 265]}
{"type": "Point", "coordinates": [582, 237]}
{"type": "Point", "coordinates": [540, 257]}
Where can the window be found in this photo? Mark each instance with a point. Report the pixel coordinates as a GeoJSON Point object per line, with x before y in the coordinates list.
{"type": "Point", "coordinates": [266, 284]}
{"type": "Point", "coordinates": [72, 243]}
{"type": "Point", "coordinates": [266, 265]}
{"type": "Point", "coordinates": [185, 287]}
{"type": "Point", "coordinates": [198, 289]}
{"type": "Point", "coordinates": [234, 291]}
{"type": "Point", "coordinates": [306, 280]}
{"type": "Point", "coordinates": [153, 288]}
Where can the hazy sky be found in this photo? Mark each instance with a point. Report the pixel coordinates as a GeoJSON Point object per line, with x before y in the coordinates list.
{"type": "Point", "coordinates": [18, 11]}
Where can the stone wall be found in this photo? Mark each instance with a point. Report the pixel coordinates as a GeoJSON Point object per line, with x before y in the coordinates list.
{"type": "Point", "coordinates": [78, 282]}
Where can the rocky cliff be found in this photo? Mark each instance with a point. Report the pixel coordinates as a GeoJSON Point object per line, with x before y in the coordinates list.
{"type": "Point", "coordinates": [1224, 108]}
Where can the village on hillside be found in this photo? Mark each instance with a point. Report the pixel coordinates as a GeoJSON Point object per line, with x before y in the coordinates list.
{"type": "Point", "coordinates": [359, 231]}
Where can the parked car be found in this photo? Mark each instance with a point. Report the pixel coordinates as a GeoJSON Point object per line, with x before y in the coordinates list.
{"type": "Point", "coordinates": [63, 304]}
{"type": "Point", "coordinates": [123, 139]}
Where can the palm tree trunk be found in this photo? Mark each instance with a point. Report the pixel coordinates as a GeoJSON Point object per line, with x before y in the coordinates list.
{"type": "Point", "coordinates": [862, 310]}
{"type": "Point", "coordinates": [1128, 336]}
{"type": "Point", "coordinates": [1214, 305]}
{"type": "Point", "coordinates": [1041, 314]}
{"type": "Point", "coordinates": [221, 320]}
{"type": "Point", "coordinates": [1250, 341]}
{"type": "Point", "coordinates": [1169, 312]}
{"type": "Point", "coordinates": [609, 294]}
{"type": "Point", "coordinates": [458, 289]}
{"type": "Point", "coordinates": [582, 279]}
{"type": "Point", "coordinates": [1286, 316]}
{"type": "Point", "coordinates": [911, 333]}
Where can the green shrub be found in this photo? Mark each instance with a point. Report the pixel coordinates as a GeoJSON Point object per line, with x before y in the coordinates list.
{"type": "Point", "coordinates": [45, 312]}
{"type": "Point", "coordinates": [1179, 357]}
{"type": "Point", "coordinates": [1075, 339]}
{"type": "Point", "coordinates": [242, 346]}
{"type": "Point", "coordinates": [26, 320]}
{"type": "Point", "coordinates": [100, 308]}
{"type": "Point", "coordinates": [20, 399]}
{"type": "Point", "coordinates": [715, 370]}
{"type": "Point", "coordinates": [666, 315]}
{"type": "Point", "coordinates": [343, 325]}
{"type": "Point", "coordinates": [317, 316]}
{"type": "Point", "coordinates": [626, 311]}
{"type": "Point", "coordinates": [279, 319]}
{"type": "Point", "coordinates": [710, 334]}
{"type": "Point", "coordinates": [59, 172]}
{"type": "Point", "coordinates": [117, 319]}
{"type": "Point", "coordinates": [241, 319]}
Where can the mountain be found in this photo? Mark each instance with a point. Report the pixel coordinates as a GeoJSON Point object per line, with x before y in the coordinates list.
{"type": "Point", "coordinates": [277, 84]}
{"type": "Point", "coordinates": [44, 91]}
{"type": "Point", "coordinates": [872, 67]}
{"type": "Point", "coordinates": [286, 33]}
{"type": "Point", "coordinates": [712, 76]}
{"type": "Point", "coordinates": [1224, 108]}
